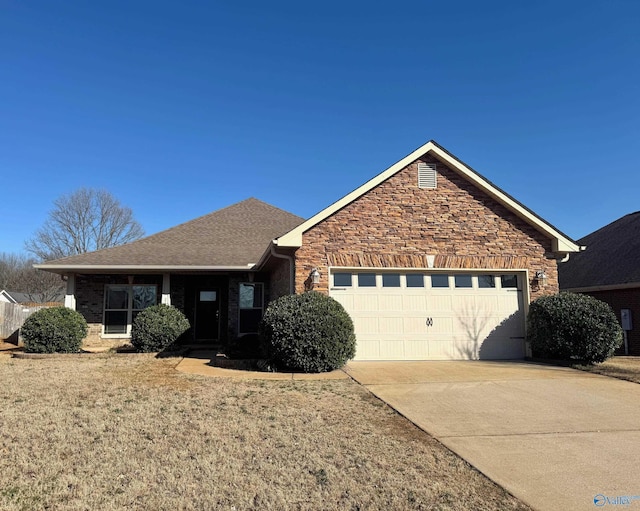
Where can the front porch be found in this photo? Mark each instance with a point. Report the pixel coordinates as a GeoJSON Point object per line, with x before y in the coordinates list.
{"type": "Point", "coordinates": [220, 306]}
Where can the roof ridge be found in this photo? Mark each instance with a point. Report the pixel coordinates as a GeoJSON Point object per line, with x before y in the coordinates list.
{"type": "Point", "coordinates": [249, 221]}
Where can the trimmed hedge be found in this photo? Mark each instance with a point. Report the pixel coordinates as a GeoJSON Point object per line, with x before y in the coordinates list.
{"type": "Point", "coordinates": [54, 330]}
{"type": "Point", "coordinates": [157, 327]}
{"type": "Point", "coordinates": [310, 332]}
{"type": "Point", "coordinates": [570, 326]}
{"type": "Point", "coordinates": [245, 347]}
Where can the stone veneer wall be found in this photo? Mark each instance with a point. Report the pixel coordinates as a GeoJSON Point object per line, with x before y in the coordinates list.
{"type": "Point", "coordinates": [397, 224]}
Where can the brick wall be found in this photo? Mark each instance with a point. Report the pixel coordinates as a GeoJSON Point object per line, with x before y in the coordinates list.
{"type": "Point", "coordinates": [397, 224]}
{"type": "Point", "coordinates": [90, 301]}
{"type": "Point", "coordinates": [624, 299]}
{"type": "Point", "coordinates": [280, 277]}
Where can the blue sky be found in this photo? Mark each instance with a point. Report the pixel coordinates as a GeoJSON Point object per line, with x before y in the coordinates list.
{"type": "Point", "coordinates": [181, 108]}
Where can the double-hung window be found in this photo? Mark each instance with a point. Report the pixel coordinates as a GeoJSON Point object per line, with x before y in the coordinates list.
{"type": "Point", "coordinates": [122, 303]}
{"type": "Point", "coordinates": [251, 306]}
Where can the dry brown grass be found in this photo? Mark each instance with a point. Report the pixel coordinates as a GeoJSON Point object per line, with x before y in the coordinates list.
{"type": "Point", "coordinates": [129, 432]}
{"type": "Point", "coordinates": [624, 368]}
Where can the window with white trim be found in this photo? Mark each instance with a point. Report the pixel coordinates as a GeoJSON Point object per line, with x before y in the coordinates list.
{"type": "Point", "coordinates": [342, 279]}
{"type": "Point", "coordinates": [366, 280]}
{"type": "Point", "coordinates": [250, 307]}
{"type": "Point", "coordinates": [415, 280]}
{"type": "Point", "coordinates": [486, 281]}
{"type": "Point", "coordinates": [122, 303]}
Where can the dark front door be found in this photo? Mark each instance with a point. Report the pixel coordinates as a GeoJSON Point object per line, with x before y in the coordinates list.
{"type": "Point", "coordinates": [207, 314]}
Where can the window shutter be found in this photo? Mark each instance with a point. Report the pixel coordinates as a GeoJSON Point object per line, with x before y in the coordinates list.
{"type": "Point", "coordinates": [426, 175]}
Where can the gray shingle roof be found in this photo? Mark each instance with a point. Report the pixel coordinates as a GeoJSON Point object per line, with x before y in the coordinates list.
{"type": "Point", "coordinates": [237, 235]}
{"type": "Point", "coordinates": [612, 256]}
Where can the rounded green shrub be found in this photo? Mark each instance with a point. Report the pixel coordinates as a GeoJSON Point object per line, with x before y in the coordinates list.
{"type": "Point", "coordinates": [157, 327]}
{"type": "Point", "coordinates": [244, 347]}
{"type": "Point", "coordinates": [310, 332]}
{"type": "Point", "coordinates": [570, 326]}
{"type": "Point", "coordinates": [54, 330]}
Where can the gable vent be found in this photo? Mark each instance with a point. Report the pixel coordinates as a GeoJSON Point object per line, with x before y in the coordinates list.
{"type": "Point", "coordinates": [426, 175]}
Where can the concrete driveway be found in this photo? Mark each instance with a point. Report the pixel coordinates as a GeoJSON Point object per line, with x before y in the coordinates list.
{"type": "Point", "coordinates": [556, 438]}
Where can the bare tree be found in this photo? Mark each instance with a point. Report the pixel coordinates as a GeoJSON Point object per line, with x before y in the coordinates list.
{"type": "Point", "coordinates": [18, 274]}
{"type": "Point", "coordinates": [82, 221]}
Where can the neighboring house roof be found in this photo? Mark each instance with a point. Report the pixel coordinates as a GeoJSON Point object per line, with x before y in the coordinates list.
{"type": "Point", "coordinates": [16, 297]}
{"type": "Point", "coordinates": [21, 297]}
{"type": "Point", "coordinates": [612, 258]}
{"type": "Point", "coordinates": [5, 296]}
{"type": "Point", "coordinates": [231, 238]}
{"type": "Point", "coordinates": [561, 243]}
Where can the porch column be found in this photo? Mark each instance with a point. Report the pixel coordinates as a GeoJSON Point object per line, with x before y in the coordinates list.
{"type": "Point", "coordinates": [166, 288]}
{"type": "Point", "coordinates": [70, 296]}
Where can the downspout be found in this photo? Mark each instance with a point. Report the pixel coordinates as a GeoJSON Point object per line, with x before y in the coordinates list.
{"type": "Point", "coordinates": [291, 268]}
{"type": "Point", "coordinates": [566, 256]}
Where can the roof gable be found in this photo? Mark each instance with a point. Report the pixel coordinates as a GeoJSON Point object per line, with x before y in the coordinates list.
{"type": "Point", "coordinates": [612, 257]}
{"type": "Point", "coordinates": [561, 243]}
{"type": "Point", "coordinates": [230, 238]}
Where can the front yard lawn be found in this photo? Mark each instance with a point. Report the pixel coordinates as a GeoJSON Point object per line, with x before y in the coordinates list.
{"type": "Point", "coordinates": [130, 432]}
{"type": "Point", "coordinates": [624, 368]}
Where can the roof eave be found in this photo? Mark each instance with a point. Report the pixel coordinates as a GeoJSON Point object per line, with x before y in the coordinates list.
{"type": "Point", "coordinates": [561, 244]}
{"type": "Point", "coordinates": [120, 268]}
{"type": "Point", "coordinates": [603, 287]}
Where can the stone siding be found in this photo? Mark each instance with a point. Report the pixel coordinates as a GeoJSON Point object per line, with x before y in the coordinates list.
{"type": "Point", "coordinates": [397, 224]}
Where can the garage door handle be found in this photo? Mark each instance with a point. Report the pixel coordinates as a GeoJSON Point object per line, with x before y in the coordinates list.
{"type": "Point", "coordinates": [429, 321]}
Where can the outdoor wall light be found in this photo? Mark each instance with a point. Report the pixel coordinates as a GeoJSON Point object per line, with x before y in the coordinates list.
{"type": "Point", "coordinates": [315, 276]}
{"type": "Point", "coordinates": [541, 277]}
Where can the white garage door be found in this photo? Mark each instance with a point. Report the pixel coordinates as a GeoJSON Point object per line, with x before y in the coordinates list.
{"type": "Point", "coordinates": [433, 316]}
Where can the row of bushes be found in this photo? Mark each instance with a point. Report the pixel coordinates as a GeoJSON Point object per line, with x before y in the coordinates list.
{"type": "Point", "coordinates": [309, 332]}
{"type": "Point", "coordinates": [312, 332]}
{"type": "Point", "coordinates": [61, 330]}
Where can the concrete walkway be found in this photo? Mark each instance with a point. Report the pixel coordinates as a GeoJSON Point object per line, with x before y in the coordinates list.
{"type": "Point", "coordinates": [199, 362]}
{"type": "Point", "coordinates": [556, 438]}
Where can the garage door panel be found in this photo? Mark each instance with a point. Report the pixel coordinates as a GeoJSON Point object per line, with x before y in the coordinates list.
{"type": "Point", "coordinates": [416, 350]}
{"type": "Point", "coordinates": [441, 326]}
{"type": "Point", "coordinates": [366, 325]}
{"type": "Point", "coordinates": [392, 349]}
{"type": "Point", "coordinates": [499, 348]}
{"type": "Point", "coordinates": [365, 302]}
{"type": "Point", "coordinates": [414, 302]}
{"type": "Point", "coordinates": [415, 326]}
{"type": "Point", "coordinates": [438, 302]}
{"type": "Point", "coordinates": [390, 325]}
{"type": "Point", "coordinates": [368, 350]}
{"type": "Point", "coordinates": [510, 302]}
{"type": "Point", "coordinates": [345, 300]}
{"type": "Point", "coordinates": [450, 350]}
{"type": "Point", "coordinates": [390, 302]}
{"type": "Point", "coordinates": [412, 323]}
